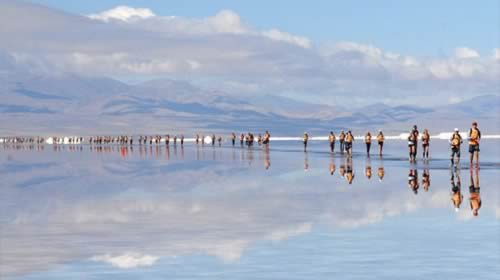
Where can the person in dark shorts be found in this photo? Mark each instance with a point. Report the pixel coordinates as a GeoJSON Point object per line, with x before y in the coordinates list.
{"type": "Point", "coordinates": [305, 139]}
{"type": "Point", "coordinates": [341, 141]}
{"type": "Point", "coordinates": [331, 140]}
{"type": "Point", "coordinates": [349, 138]}
{"type": "Point", "coordinates": [233, 138]}
{"type": "Point", "coordinates": [380, 140]}
{"type": "Point", "coordinates": [412, 143]}
{"type": "Point", "coordinates": [426, 137]}
{"type": "Point", "coordinates": [455, 142]}
{"type": "Point", "coordinates": [474, 138]}
{"type": "Point", "coordinates": [368, 142]}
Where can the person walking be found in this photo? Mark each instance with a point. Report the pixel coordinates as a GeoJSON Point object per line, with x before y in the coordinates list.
{"type": "Point", "coordinates": [349, 138]}
{"type": "Point", "coordinates": [368, 142]}
{"type": "Point", "coordinates": [233, 139]}
{"type": "Point", "coordinates": [455, 142]}
{"type": "Point", "coordinates": [426, 137]}
{"type": "Point", "coordinates": [341, 141]}
{"type": "Point", "coordinates": [474, 137]}
{"type": "Point", "coordinates": [380, 140]}
{"type": "Point", "coordinates": [331, 139]}
{"type": "Point", "coordinates": [305, 139]}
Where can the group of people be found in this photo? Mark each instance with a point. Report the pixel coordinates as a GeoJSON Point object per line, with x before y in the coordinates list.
{"type": "Point", "coordinates": [345, 140]}
{"type": "Point", "coordinates": [455, 141]}
{"type": "Point", "coordinates": [346, 143]}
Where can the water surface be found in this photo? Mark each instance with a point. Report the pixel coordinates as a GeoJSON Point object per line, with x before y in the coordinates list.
{"type": "Point", "coordinates": [237, 213]}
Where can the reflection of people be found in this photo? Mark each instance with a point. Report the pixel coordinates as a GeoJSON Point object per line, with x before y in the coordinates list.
{"type": "Point", "coordinates": [267, 158]}
{"type": "Point", "coordinates": [368, 169]}
{"type": "Point", "coordinates": [456, 193]}
{"type": "Point", "coordinates": [380, 173]}
{"type": "Point", "coordinates": [349, 175]}
{"type": "Point", "coordinates": [368, 172]}
{"type": "Point", "coordinates": [332, 167]}
{"type": "Point", "coordinates": [413, 180]}
{"type": "Point", "coordinates": [306, 163]}
{"type": "Point", "coordinates": [474, 138]}
{"type": "Point", "coordinates": [342, 170]}
{"type": "Point", "coordinates": [426, 179]}
{"type": "Point", "coordinates": [455, 142]}
{"type": "Point", "coordinates": [475, 197]}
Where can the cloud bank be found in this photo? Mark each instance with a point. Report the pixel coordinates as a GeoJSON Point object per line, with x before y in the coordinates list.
{"type": "Point", "coordinates": [223, 49]}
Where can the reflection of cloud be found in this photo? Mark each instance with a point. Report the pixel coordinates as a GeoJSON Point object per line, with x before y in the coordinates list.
{"type": "Point", "coordinates": [283, 234]}
{"type": "Point", "coordinates": [176, 208]}
{"type": "Point", "coordinates": [127, 260]}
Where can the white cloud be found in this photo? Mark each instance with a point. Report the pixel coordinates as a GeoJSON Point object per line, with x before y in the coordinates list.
{"type": "Point", "coordinates": [226, 21]}
{"type": "Point", "coordinates": [496, 54]}
{"type": "Point", "coordinates": [464, 52]}
{"type": "Point", "coordinates": [277, 35]}
{"type": "Point", "coordinates": [127, 260]}
{"type": "Point", "coordinates": [223, 45]}
{"type": "Point", "coordinates": [123, 13]}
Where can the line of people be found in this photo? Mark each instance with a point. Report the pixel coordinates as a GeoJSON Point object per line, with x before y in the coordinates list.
{"type": "Point", "coordinates": [345, 139]}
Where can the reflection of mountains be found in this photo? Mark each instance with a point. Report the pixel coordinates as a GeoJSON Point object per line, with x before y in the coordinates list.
{"type": "Point", "coordinates": [104, 207]}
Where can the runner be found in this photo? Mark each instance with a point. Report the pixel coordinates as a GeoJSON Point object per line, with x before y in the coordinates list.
{"type": "Point", "coordinates": [331, 139]}
{"type": "Point", "coordinates": [341, 141]}
{"type": "Point", "coordinates": [426, 137]}
{"type": "Point", "coordinates": [305, 139]}
{"type": "Point", "coordinates": [368, 142]}
{"type": "Point", "coordinates": [349, 138]}
{"type": "Point", "coordinates": [380, 140]}
{"type": "Point", "coordinates": [455, 142]}
{"type": "Point", "coordinates": [474, 138]}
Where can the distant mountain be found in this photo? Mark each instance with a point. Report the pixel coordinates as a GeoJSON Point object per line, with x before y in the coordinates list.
{"type": "Point", "coordinates": [33, 104]}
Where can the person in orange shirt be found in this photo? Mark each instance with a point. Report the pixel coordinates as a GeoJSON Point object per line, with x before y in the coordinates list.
{"type": "Point", "coordinates": [349, 139]}
{"type": "Point", "coordinates": [368, 142]}
{"type": "Point", "coordinates": [331, 140]}
{"type": "Point", "coordinates": [380, 140]}
{"type": "Point", "coordinates": [474, 138]}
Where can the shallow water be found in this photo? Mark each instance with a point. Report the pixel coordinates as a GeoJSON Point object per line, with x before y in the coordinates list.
{"type": "Point", "coordinates": [238, 213]}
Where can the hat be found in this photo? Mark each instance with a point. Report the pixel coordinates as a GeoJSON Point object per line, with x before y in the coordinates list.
{"type": "Point", "coordinates": [456, 129]}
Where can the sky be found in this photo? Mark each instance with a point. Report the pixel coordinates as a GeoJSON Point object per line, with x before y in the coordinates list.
{"type": "Point", "coordinates": [324, 52]}
{"type": "Point", "coordinates": [412, 27]}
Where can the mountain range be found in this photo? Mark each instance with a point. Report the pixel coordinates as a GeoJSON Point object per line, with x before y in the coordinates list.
{"type": "Point", "coordinates": [70, 104]}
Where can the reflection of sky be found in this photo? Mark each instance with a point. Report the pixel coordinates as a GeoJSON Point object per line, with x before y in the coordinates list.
{"type": "Point", "coordinates": [75, 212]}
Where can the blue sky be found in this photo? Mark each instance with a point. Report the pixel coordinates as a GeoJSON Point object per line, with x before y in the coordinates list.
{"type": "Point", "coordinates": [423, 28]}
